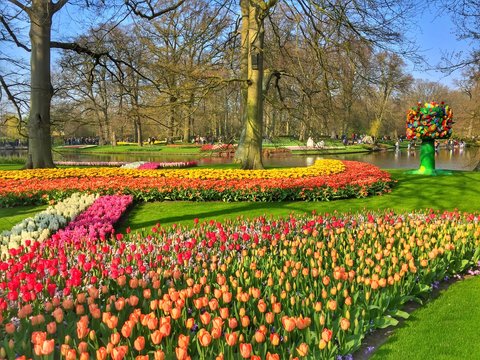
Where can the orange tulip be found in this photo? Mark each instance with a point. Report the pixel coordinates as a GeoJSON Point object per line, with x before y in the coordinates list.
{"type": "Point", "coordinates": [101, 353]}
{"type": "Point", "coordinates": [119, 352]}
{"type": "Point", "coordinates": [213, 304]}
{"type": "Point", "coordinates": [84, 356]}
{"type": "Point", "coordinates": [82, 329]}
{"type": "Point", "coordinates": [275, 339]}
{"type": "Point", "coordinates": [255, 357]}
{"type": "Point", "coordinates": [217, 322]}
{"type": "Point", "coordinates": [224, 313]}
{"type": "Point", "coordinates": [269, 317]}
{"type": "Point", "coordinates": [227, 297]}
{"type": "Point", "coordinates": [82, 347]}
{"type": "Point", "coordinates": [64, 349]}
{"type": "Point", "coordinates": [10, 328]}
{"type": "Point", "coordinates": [288, 323]}
{"type": "Point", "coordinates": [139, 343]}
{"type": "Point", "coordinates": [58, 315]}
{"type": "Point", "coordinates": [259, 337]}
{"type": "Point", "coordinates": [262, 306]}
{"type": "Point", "coordinates": [176, 313]}
{"type": "Point", "coordinates": [272, 356]}
{"type": "Point", "coordinates": [344, 324]}
{"type": "Point", "coordinates": [127, 328]}
{"type": "Point", "coordinates": [332, 305]}
{"type": "Point", "coordinates": [115, 338]}
{"type": "Point", "coordinates": [159, 355]}
{"type": "Point", "coordinates": [217, 293]}
{"type": "Point", "coordinates": [152, 322]}
{"type": "Point", "coordinates": [67, 304]}
{"type": "Point", "coordinates": [154, 304]}
{"type": "Point", "coordinates": [204, 337]}
{"type": "Point", "coordinates": [221, 279]}
{"type": "Point", "coordinates": [198, 303]}
{"type": "Point", "coordinates": [216, 332]}
{"type": "Point", "coordinates": [232, 323]}
{"type": "Point", "coordinates": [277, 307]}
{"type": "Point", "coordinates": [112, 322]}
{"type": "Point", "coordinates": [44, 348]}
{"type": "Point", "coordinates": [245, 350]}
{"type": "Point", "coordinates": [120, 304]}
{"type": "Point", "coordinates": [122, 280]}
{"type": "Point", "coordinates": [38, 337]}
{"type": "Point", "coordinates": [165, 329]}
{"type": "Point", "coordinates": [327, 334]}
{"type": "Point", "coordinates": [302, 349]}
{"type": "Point", "coordinates": [156, 337]}
{"type": "Point", "coordinates": [245, 320]}
{"type": "Point", "coordinates": [182, 353]}
{"type": "Point", "coordinates": [183, 341]}
{"type": "Point", "coordinates": [142, 357]}
{"type": "Point", "coordinates": [303, 323]}
{"type": "Point", "coordinates": [231, 338]}
{"type": "Point", "coordinates": [71, 354]}
{"type": "Point", "coordinates": [52, 327]}
{"type": "Point", "coordinates": [147, 293]}
{"type": "Point", "coordinates": [133, 300]}
{"type": "Point", "coordinates": [205, 318]}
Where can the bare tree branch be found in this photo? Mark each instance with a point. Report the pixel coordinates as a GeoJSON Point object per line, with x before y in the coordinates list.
{"type": "Point", "coordinates": [20, 5]}
{"type": "Point", "coordinates": [58, 5]}
{"type": "Point", "coordinates": [11, 97]}
{"type": "Point", "coordinates": [12, 34]}
{"type": "Point", "coordinates": [136, 7]}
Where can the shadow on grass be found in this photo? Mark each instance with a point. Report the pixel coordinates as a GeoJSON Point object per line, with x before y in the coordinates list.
{"type": "Point", "coordinates": [412, 192]}
{"type": "Point", "coordinates": [146, 215]}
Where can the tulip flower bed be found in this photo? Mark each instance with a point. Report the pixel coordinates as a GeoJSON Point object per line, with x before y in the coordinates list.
{"type": "Point", "coordinates": [299, 287]}
{"type": "Point", "coordinates": [47, 222]}
{"type": "Point", "coordinates": [325, 180]}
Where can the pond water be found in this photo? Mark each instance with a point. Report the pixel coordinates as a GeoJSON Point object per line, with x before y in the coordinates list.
{"type": "Point", "coordinates": [456, 159]}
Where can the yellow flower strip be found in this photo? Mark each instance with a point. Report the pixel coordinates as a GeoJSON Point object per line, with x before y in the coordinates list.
{"type": "Point", "coordinates": [320, 168]}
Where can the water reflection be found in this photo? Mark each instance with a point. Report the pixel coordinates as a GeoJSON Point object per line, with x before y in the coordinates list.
{"type": "Point", "coordinates": [449, 159]}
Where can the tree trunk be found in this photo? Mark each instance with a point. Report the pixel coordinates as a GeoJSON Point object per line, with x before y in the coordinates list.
{"type": "Point", "coordinates": [138, 128]}
{"type": "Point", "coordinates": [188, 120]}
{"type": "Point", "coordinates": [245, 50]}
{"type": "Point", "coordinates": [171, 126]}
{"type": "Point", "coordinates": [39, 137]}
{"type": "Point", "coordinates": [251, 146]}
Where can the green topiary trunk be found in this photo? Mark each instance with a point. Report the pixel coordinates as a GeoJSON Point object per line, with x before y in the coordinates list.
{"type": "Point", "coordinates": [427, 157]}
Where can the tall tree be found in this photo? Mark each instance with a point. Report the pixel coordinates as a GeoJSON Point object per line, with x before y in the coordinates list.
{"type": "Point", "coordinates": [253, 12]}
{"type": "Point", "coordinates": [40, 17]}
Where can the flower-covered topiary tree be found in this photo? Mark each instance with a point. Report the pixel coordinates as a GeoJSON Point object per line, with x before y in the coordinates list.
{"type": "Point", "coordinates": [429, 123]}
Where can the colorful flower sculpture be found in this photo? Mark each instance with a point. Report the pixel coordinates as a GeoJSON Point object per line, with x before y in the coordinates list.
{"type": "Point", "coordinates": [429, 123]}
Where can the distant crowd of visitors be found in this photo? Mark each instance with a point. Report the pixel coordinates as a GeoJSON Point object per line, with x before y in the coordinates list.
{"type": "Point", "coordinates": [81, 141]}
{"type": "Point", "coordinates": [13, 143]}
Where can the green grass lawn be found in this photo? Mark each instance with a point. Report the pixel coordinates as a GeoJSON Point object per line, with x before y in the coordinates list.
{"type": "Point", "coordinates": [445, 328]}
{"type": "Point", "coordinates": [132, 149]}
{"type": "Point", "coordinates": [12, 216]}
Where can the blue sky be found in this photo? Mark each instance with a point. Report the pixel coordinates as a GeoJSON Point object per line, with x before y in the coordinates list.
{"type": "Point", "coordinates": [435, 35]}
